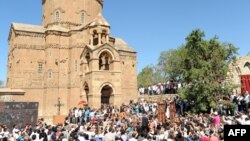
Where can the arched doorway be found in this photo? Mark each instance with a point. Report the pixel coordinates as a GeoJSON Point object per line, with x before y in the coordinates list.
{"type": "Point", "coordinates": [106, 93]}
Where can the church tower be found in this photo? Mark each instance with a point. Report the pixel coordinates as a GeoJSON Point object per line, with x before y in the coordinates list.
{"type": "Point", "coordinates": [72, 57]}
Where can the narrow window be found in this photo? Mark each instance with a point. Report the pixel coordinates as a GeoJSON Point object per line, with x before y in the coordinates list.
{"type": "Point", "coordinates": [40, 67]}
{"type": "Point", "coordinates": [75, 65]}
{"type": "Point", "coordinates": [95, 38]}
{"type": "Point", "coordinates": [82, 18]}
{"type": "Point", "coordinates": [57, 16]}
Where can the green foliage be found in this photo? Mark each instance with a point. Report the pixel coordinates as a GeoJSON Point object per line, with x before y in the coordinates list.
{"type": "Point", "coordinates": [158, 76]}
{"type": "Point", "coordinates": [145, 77]}
{"type": "Point", "coordinates": [149, 75]}
{"type": "Point", "coordinates": [171, 62]}
{"type": "Point", "coordinates": [203, 66]}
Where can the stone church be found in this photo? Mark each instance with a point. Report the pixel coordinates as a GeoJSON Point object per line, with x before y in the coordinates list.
{"type": "Point", "coordinates": [72, 57]}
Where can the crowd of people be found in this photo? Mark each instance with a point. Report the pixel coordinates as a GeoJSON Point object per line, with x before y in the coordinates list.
{"type": "Point", "coordinates": [169, 87]}
{"type": "Point", "coordinates": [136, 121]}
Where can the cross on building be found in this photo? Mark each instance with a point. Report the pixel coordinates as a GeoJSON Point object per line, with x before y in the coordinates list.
{"type": "Point", "coordinates": [59, 105]}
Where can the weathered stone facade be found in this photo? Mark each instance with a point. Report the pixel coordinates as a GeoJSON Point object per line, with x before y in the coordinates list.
{"type": "Point", "coordinates": [71, 56]}
{"type": "Point", "coordinates": [241, 66]}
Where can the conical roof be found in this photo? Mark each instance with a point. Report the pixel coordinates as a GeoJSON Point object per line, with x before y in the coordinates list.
{"type": "Point", "coordinates": [99, 20]}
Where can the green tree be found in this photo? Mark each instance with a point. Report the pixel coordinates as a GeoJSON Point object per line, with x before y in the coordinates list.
{"type": "Point", "coordinates": [202, 65]}
{"type": "Point", "coordinates": [205, 68]}
{"type": "Point", "coordinates": [170, 63]}
{"type": "Point", "coordinates": [145, 77]}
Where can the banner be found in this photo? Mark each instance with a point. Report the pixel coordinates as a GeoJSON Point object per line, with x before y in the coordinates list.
{"type": "Point", "coordinates": [245, 83]}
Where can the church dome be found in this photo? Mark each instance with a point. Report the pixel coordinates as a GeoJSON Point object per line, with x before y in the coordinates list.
{"type": "Point", "coordinates": [70, 12]}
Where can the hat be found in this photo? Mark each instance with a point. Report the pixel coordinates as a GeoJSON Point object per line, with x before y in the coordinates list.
{"type": "Point", "coordinates": [216, 113]}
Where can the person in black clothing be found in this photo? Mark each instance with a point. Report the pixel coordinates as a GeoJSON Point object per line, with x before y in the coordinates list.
{"type": "Point", "coordinates": [179, 136]}
{"type": "Point", "coordinates": [144, 126]}
{"type": "Point", "coordinates": [139, 129]}
{"type": "Point", "coordinates": [43, 135]}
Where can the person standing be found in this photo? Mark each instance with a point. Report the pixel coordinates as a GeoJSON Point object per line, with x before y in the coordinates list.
{"type": "Point", "coordinates": [110, 136]}
{"type": "Point", "coordinates": [15, 132]}
{"type": "Point", "coordinates": [246, 101]}
{"type": "Point", "coordinates": [144, 125]}
{"type": "Point", "coordinates": [216, 120]}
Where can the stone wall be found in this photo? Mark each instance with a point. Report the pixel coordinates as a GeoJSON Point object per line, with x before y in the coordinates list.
{"type": "Point", "coordinates": [157, 98]}
{"type": "Point", "coordinates": [240, 67]}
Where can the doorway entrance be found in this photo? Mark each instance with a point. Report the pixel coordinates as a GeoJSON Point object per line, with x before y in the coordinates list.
{"type": "Point", "coordinates": [106, 93]}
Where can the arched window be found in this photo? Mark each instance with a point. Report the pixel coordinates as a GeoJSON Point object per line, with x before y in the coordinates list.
{"type": "Point", "coordinates": [87, 59]}
{"type": "Point", "coordinates": [238, 69]}
{"type": "Point", "coordinates": [105, 61]}
{"type": "Point", "coordinates": [57, 16]}
{"type": "Point", "coordinates": [95, 38]}
{"type": "Point", "coordinates": [82, 18]}
{"type": "Point", "coordinates": [103, 36]}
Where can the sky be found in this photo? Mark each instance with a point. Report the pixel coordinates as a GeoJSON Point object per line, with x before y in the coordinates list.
{"type": "Point", "coordinates": [149, 26]}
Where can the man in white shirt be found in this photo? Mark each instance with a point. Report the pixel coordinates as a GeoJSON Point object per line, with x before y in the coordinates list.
{"type": "Point", "coordinates": [76, 115]}
{"type": "Point", "coordinates": [109, 136]}
{"type": "Point", "coordinates": [15, 132]}
{"type": "Point", "coordinates": [90, 133]}
{"type": "Point", "coordinates": [246, 101]}
{"type": "Point", "coordinates": [227, 120]}
{"type": "Point", "coordinates": [133, 137]}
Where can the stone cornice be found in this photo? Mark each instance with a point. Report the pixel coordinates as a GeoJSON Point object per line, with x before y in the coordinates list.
{"type": "Point", "coordinates": [27, 46]}
{"type": "Point", "coordinates": [32, 34]}
{"type": "Point", "coordinates": [58, 33]}
{"type": "Point", "coordinates": [63, 23]}
{"type": "Point", "coordinates": [78, 45]}
{"type": "Point", "coordinates": [53, 46]}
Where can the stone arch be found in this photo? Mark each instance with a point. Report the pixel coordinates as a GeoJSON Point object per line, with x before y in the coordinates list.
{"type": "Point", "coordinates": [247, 64]}
{"type": "Point", "coordinates": [107, 50]}
{"type": "Point", "coordinates": [238, 69]}
{"type": "Point", "coordinates": [109, 84]}
{"type": "Point", "coordinates": [85, 57]}
{"type": "Point", "coordinates": [107, 93]}
{"type": "Point", "coordinates": [105, 60]}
